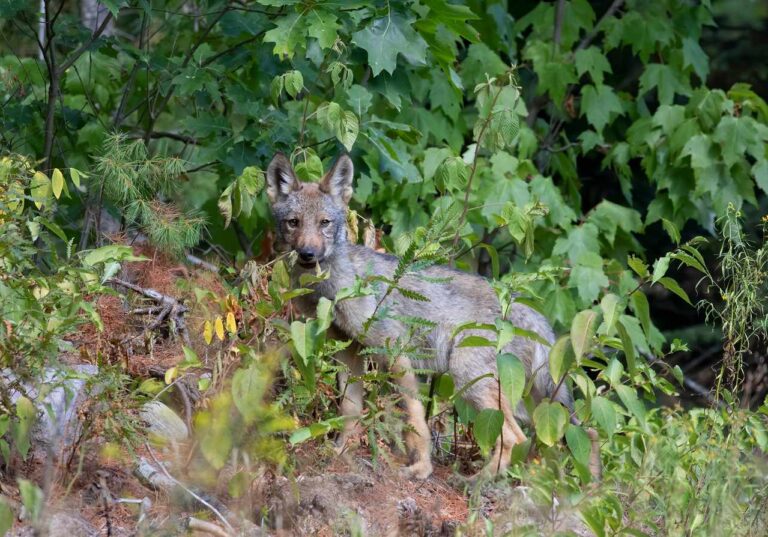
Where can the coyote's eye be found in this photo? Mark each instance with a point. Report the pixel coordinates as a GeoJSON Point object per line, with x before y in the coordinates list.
{"type": "Point", "coordinates": [293, 222]}
{"type": "Point", "coordinates": [324, 222]}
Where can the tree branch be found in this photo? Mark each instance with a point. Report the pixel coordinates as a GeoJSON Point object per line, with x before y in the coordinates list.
{"type": "Point", "coordinates": [559, 14]}
{"type": "Point", "coordinates": [613, 8]}
{"type": "Point", "coordinates": [154, 114]}
{"type": "Point", "coordinates": [85, 46]}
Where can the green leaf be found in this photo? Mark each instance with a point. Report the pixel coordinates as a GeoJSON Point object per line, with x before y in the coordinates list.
{"type": "Point", "coordinates": [579, 443]}
{"type": "Point", "coordinates": [629, 348]}
{"type": "Point", "coordinates": [487, 427]}
{"type": "Point", "coordinates": [642, 310]}
{"type": "Point", "coordinates": [6, 517]}
{"type": "Point", "coordinates": [560, 358]}
{"type": "Point", "coordinates": [673, 286]}
{"type": "Point", "coordinates": [588, 276]}
{"type": "Point", "coordinates": [323, 26]}
{"type": "Point", "coordinates": [629, 397]}
{"type": "Point", "coordinates": [359, 99]}
{"type": "Point", "coordinates": [604, 414]}
{"type": "Point", "coordinates": [549, 420]}
{"type": "Point", "coordinates": [667, 80]}
{"type": "Point", "coordinates": [225, 205]}
{"type": "Point", "coordinates": [583, 330]}
{"type": "Point", "coordinates": [601, 105]}
{"type": "Point", "coordinates": [694, 56]}
{"type": "Point", "coordinates": [638, 265]}
{"type": "Point", "coordinates": [476, 341]}
{"type": "Point", "coordinates": [671, 230]}
{"type": "Point", "coordinates": [293, 83]}
{"type": "Point", "coordinates": [248, 387]}
{"type": "Point", "coordinates": [610, 307]}
{"type": "Point", "coordinates": [26, 415]}
{"type": "Point", "coordinates": [660, 267]}
{"type": "Point", "coordinates": [384, 38]}
{"type": "Point", "coordinates": [760, 173]}
{"type": "Point", "coordinates": [304, 339]}
{"type": "Point", "coordinates": [511, 376]}
{"type": "Point", "coordinates": [32, 498]}
{"type": "Point", "coordinates": [591, 60]}
{"type": "Point", "coordinates": [288, 34]}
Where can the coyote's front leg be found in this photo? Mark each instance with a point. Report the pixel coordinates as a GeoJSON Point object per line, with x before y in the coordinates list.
{"type": "Point", "coordinates": [417, 440]}
{"type": "Point", "coordinates": [351, 405]}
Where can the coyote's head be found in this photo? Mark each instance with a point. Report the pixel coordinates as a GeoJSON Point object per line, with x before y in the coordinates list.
{"type": "Point", "coordinates": [311, 217]}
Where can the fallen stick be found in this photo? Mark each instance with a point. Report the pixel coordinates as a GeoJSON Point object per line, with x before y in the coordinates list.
{"type": "Point", "coordinates": [195, 524]}
{"type": "Point", "coordinates": [188, 491]}
{"type": "Point", "coordinates": [170, 307]}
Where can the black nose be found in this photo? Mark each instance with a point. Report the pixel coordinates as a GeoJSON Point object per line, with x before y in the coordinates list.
{"type": "Point", "coordinates": [306, 255]}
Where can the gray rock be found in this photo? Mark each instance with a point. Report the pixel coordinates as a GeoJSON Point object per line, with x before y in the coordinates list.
{"type": "Point", "coordinates": [163, 423]}
{"type": "Point", "coordinates": [58, 396]}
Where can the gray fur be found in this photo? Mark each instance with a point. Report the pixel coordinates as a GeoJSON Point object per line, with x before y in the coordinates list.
{"type": "Point", "coordinates": [321, 213]}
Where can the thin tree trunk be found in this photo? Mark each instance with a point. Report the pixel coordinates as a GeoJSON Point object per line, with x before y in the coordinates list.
{"type": "Point", "coordinates": [93, 13]}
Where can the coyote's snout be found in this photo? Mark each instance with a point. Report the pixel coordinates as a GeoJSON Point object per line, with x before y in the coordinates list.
{"type": "Point", "coordinates": [311, 219]}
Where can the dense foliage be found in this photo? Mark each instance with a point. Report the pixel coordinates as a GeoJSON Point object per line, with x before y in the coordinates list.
{"type": "Point", "coordinates": [550, 146]}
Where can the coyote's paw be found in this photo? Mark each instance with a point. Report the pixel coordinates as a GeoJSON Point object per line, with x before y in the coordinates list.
{"type": "Point", "coordinates": [419, 470]}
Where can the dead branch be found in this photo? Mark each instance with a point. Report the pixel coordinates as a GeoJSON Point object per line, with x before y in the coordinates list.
{"type": "Point", "coordinates": [188, 491]}
{"type": "Point", "coordinates": [195, 524]}
{"type": "Point", "coordinates": [171, 308]}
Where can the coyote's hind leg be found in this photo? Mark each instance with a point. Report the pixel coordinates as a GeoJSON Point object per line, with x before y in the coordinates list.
{"type": "Point", "coordinates": [417, 440]}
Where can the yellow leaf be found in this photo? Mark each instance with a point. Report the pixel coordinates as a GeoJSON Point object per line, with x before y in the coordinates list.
{"type": "Point", "coordinates": [219, 326]}
{"type": "Point", "coordinates": [231, 324]}
{"type": "Point", "coordinates": [40, 189]}
{"type": "Point", "coordinates": [171, 374]}
{"type": "Point", "coordinates": [208, 332]}
{"type": "Point", "coordinates": [57, 182]}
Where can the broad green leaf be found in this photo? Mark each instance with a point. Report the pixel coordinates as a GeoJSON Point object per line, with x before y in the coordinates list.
{"type": "Point", "coordinates": [694, 56]}
{"type": "Point", "coordinates": [560, 358]}
{"type": "Point", "coordinates": [293, 83]}
{"type": "Point", "coordinates": [323, 26]}
{"type": "Point", "coordinates": [288, 35]}
{"type": "Point", "coordinates": [583, 330]}
{"type": "Point", "coordinates": [384, 38]}
{"type": "Point", "coordinates": [604, 414]}
{"type": "Point", "coordinates": [32, 498]}
{"type": "Point", "coordinates": [629, 397]}
{"type": "Point", "coordinates": [304, 338]}
{"type": "Point", "coordinates": [579, 443]}
{"type": "Point", "coordinates": [248, 387]}
{"type": "Point", "coordinates": [660, 267]}
{"type": "Point", "coordinates": [588, 277]}
{"type": "Point", "coordinates": [6, 517]}
{"type": "Point", "coordinates": [549, 420]}
{"type": "Point", "coordinates": [26, 415]}
{"type": "Point", "coordinates": [591, 60]}
{"type": "Point", "coordinates": [601, 105]}
{"type": "Point", "coordinates": [487, 427]}
{"type": "Point", "coordinates": [511, 376]}
{"type": "Point", "coordinates": [610, 307]}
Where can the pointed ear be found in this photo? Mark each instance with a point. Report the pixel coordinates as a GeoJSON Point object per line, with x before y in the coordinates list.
{"type": "Point", "coordinates": [280, 178]}
{"type": "Point", "coordinates": [338, 181]}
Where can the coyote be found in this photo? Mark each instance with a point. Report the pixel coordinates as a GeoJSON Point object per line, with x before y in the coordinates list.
{"type": "Point", "coordinates": [312, 220]}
